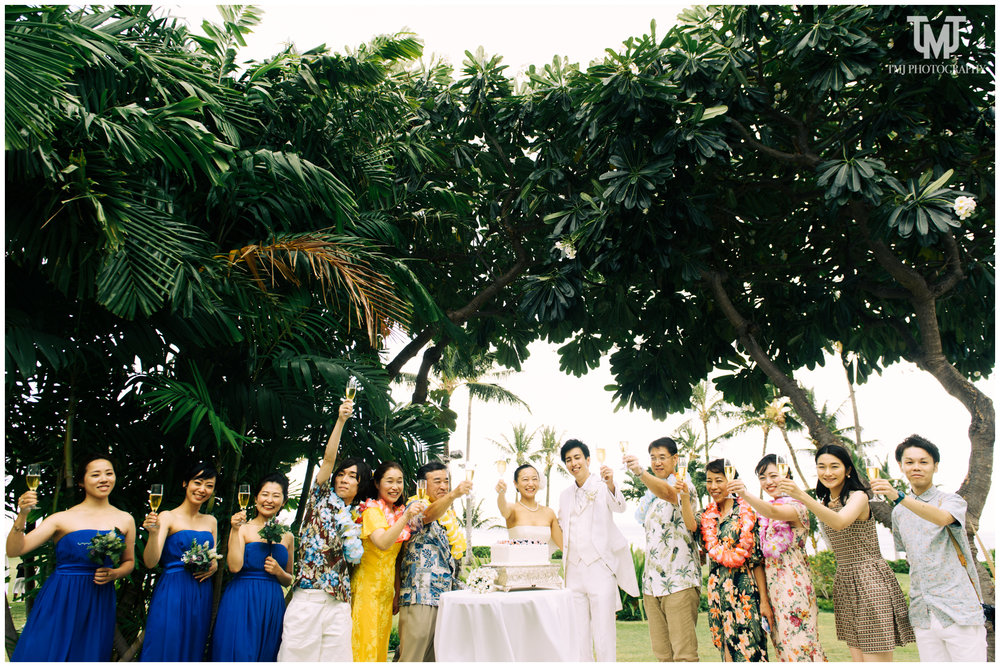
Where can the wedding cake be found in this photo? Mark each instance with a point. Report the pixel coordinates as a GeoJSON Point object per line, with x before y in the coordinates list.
{"type": "Point", "coordinates": [522, 564]}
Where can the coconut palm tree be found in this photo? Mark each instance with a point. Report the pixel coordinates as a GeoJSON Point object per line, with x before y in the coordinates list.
{"type": "Point", "coordinates": [547, 457]}
{"type": "Point", "coordinates": [709, 407]}
{"type": "Point", "coordinates": [520, 446]}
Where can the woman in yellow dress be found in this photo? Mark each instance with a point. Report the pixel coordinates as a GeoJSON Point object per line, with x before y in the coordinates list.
{"type": "Point", "coordinates": [384, 528]}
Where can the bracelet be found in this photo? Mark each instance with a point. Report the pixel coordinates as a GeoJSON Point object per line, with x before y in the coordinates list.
{"type": "Point", "coordinates": [900, 499]}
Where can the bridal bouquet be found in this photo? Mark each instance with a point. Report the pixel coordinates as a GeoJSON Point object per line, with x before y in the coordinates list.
{"type": "Point", "coordinates": [199, 557]}
{"type": "Point", "coordinates": [106, 545]}
{"type": "Point", "coordinates": [481, 579]}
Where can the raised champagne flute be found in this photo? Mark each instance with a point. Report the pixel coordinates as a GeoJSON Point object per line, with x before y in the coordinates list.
{"type": "Point", "coordinates": [730, 473]}
{"type": "Point", "coordinates": [782, 465]}
{"type": "Point", "coordinates": [470, 472]}
{"type": "Point", "coordinates": [243, 496]}
{"type": "Point", "coordinates": [601, 453]}
{"type": "Point", "coordinates": [501, 466]}
{"type": "Point", "coordinates": [34, 476]}
{"type": "Point", "coordinates": [872, 468]}
{"type": "Point", "coordinates": [421, 489]}
{"type": "Point", "coordinates": [682, 467]}
{"type": "Point", "coordinates": [155, 496]}
{"type": "Point", "coordinates": [352, 388]}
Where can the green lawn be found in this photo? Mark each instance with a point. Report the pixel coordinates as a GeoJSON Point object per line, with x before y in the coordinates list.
{"type": "Point", "coordinates": [633, 643]}
{"type": "Point", "coordinates": [633, 637]}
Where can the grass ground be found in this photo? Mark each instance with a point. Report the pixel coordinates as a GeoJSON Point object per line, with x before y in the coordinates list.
{"type": "Point", "coordinates": [633, 637]}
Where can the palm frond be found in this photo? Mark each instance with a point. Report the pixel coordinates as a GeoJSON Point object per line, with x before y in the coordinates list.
{"type": "Point", "coordinates": [336, 265]}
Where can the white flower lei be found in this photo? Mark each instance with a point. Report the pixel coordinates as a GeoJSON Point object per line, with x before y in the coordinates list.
{"type": "Point", "coordinates": [481, 579]}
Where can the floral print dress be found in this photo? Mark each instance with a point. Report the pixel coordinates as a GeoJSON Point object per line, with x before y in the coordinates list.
{"type": "Point", "coordinates": [790, 588]}
{"type": "Point", "coordinates": [733, 598]}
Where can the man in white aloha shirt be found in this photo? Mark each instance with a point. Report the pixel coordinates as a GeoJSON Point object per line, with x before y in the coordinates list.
{"type": "Point", "coordinates": [928, 524]}
{"type": "Point", "coordinates": [671, 582]}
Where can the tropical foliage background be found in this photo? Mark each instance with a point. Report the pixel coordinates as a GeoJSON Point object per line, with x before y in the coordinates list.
{"type": "Point", "coordinates": [201, 251]}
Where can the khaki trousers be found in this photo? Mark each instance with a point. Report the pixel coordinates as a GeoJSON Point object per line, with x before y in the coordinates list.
{"type": "Point", "coordinates": [416, 633]}
{"type": "Point", "coordinates": [672, 619]}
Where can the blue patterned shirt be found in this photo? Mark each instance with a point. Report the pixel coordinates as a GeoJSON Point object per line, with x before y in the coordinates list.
{"type": "Point", "coordinates": [427, 569]}
{"type": "Point", "coordinates": [939, 584]}
{"type": "Point", "coordinates": [320, 561]}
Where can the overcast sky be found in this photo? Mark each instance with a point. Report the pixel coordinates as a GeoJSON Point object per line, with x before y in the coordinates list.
{"type": "Point", "coordinates": [902, 401]}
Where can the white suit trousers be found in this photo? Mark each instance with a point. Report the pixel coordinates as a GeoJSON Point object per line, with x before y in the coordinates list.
{"type": "Point", "coordinates": [595, 600]}
{"type": "Point", "coordinates": [955, 643]}
{"type": "Point", "coordinates": [317, 628]}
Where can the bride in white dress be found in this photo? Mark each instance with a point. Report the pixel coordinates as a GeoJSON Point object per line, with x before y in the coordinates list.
{"type": "Point", "coordinates": [527, 519]}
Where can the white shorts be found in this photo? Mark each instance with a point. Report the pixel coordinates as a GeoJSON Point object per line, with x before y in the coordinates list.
{"type": "Point", "coordinates": [317, 628]}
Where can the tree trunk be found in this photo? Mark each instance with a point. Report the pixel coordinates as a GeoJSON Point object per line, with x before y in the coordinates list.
{"type": "Point", "coordinates": [854, 404]}
{"type": "Point", "coordinates": [468, 430]}
{"type": "Point", "coordinates": [928, 355]}
{"type": "Point", "coordinates": [307, 482]}
{"type": "Point", "coordinates": [10, 633]}
{"type": "Point", "coordinates": [791, 452]}
{"type": "Point", "coordinates": [745, 333]}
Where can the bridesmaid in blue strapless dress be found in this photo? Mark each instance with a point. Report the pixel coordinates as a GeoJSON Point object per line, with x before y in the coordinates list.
{"type": "Point", "coordinates": [249, 623]}
{"type": "Point", "coordinates": [180, 611]}
{"type": "Point", "coordinates": [73, 616]}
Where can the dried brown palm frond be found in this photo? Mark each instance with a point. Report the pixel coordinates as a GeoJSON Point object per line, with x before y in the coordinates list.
{"type": "Point", "coordinates": [337, 266]}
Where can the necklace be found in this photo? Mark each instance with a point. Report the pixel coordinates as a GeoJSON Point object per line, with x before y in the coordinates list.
{"type": "Point", "coordinates": [537, 506]}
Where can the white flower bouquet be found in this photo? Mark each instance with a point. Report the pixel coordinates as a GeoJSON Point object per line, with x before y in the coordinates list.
{"type": "Point", "coordinates": [481, 579]}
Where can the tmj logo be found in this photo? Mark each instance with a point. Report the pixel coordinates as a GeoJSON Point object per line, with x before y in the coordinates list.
{"type": "Point", "coordinates": [940, 46]}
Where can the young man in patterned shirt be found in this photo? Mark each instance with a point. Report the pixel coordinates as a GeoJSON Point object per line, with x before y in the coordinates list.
{"type": "Point", "coordinates": [929, 524]}
{"type": "Point", "coordinates": [317, 625]}
{"type": "Point", "coordinates": [429, 564]}
{"type": "Point", "coordinates": [671, 582]}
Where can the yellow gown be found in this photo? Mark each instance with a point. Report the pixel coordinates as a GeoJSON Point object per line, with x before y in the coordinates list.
{"type": "Point", "coordinates": [372, 591]}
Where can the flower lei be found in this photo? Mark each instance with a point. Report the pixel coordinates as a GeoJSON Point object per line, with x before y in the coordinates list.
{"type": "Point", "coordinates": [776, 536]}
{"type": "Point", "coordinates": [392, 514]}
{"type": "Point", "coordinates": [727, 554]}
{"type": "Point", "coordinates": [348, 530]}
{"type": "Point", "coordinates": [452, 528]}
{"type": "Point", "coordinates": [481, 579]}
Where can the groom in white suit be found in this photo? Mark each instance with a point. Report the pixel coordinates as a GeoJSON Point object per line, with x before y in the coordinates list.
{"type": "Point", "coordinates": [596, 556]}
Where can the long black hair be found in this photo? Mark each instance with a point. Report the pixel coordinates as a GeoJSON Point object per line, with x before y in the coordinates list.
{"type": "Point", "coordinates": [852, 481]}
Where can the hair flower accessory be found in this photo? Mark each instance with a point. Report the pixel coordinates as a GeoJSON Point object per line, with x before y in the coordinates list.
{"type": "Point", "coordinates": [481, 579]}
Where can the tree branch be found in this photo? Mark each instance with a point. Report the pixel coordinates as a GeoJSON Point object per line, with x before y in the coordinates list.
{"type": "Point", "coordinates": [800, 159]}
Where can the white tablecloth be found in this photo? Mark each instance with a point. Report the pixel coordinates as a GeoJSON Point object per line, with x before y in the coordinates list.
{"type": "Point", "coordinates": [519, 626]}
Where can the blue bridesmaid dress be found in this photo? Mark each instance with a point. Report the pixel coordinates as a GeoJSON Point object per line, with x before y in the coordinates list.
{"type": "Point", "coordinates": [248, 626]}
{"type": "Point", "coordinates": [181, 609]}
{"type": "Point", "coordinates": [72, 619]}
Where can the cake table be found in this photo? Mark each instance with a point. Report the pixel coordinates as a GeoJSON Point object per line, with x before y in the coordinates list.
{"type": "Point", "coordinates": [518, 626]}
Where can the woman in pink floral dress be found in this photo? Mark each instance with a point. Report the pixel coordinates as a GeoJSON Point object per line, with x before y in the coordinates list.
{"type": "Point", "coordinates": [783, 526]}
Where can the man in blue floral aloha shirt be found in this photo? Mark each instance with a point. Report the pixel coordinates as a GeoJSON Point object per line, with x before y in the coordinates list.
{"type": "Point", "coordinates": [317, 625]}
{"type": "Point", "coordinates": [929, 524]}
{"type": "Point", "coordinates": [671, 581]}
{"type": "Point", "coordinates": [429, 564]}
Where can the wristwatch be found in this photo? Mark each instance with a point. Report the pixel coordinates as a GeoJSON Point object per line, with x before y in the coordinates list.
{"type": "Point", "coordinates": [899, 499]}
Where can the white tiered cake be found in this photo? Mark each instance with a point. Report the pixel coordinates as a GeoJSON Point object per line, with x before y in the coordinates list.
{"type": "Point", "coordinates": [524, 564]}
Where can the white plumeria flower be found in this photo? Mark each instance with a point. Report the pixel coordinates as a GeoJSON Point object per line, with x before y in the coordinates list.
{"type": "Point", "coordinates": [964, 207]}
{"type": "Point", "coordinates": [566, 248]}
{"type": "Point", "coordinates": [632, 67]}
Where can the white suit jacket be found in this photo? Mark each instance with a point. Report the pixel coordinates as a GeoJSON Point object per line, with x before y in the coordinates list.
{"type": "Point", "coordinates": [601, 532]}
